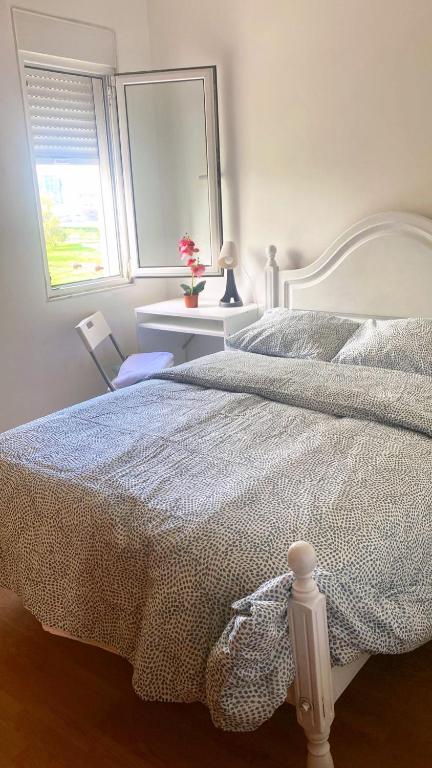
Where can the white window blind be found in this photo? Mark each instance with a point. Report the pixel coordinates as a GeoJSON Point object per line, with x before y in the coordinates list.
{"type": "Point", "coordinates": [62, 116]}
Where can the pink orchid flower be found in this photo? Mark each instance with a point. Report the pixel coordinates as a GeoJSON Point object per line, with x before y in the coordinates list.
{"type": "Point", "coordinates": [198, 270]}
{"type": "Point", "coordinates": [184, 251]}
{"type": "Point", "coordinates": [187, 250]}
{"type": "Point", "coordinates": [186, 241]}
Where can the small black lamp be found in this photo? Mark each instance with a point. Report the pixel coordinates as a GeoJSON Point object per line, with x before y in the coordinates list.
{"type": "Point", "coordinates": [228, 260]}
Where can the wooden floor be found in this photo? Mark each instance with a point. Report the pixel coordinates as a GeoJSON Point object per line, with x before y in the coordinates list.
{"type": "Point", "coordinates": [66, 705]}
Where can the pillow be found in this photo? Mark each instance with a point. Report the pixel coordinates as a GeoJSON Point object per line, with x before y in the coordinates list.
{"type": "Point", "coordinates": [290, 333]}
{"type": "Point", "coordinates": [403, 345]}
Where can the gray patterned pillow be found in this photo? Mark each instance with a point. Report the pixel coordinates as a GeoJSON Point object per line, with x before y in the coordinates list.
{"type": "Point", "coordinates": [290, 333]}
{"type": "Point", "coordinates": [403, 345]}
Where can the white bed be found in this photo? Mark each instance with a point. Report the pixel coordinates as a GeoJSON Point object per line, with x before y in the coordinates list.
{"type": "Point", "coordinates": [381, 267]}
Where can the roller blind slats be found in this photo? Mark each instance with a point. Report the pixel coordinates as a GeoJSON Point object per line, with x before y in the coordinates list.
{"type": "Point", "coordinates": [60, 103]}
{"type": "Point", "coordinates": [62, 116]}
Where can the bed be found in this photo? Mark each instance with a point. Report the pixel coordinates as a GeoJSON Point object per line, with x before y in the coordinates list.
{"type": "Point", "coordinates": [136, 520]}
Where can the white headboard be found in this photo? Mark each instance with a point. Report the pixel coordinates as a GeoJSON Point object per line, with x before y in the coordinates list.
{"type": "Point", "coordinates": [380, 267]}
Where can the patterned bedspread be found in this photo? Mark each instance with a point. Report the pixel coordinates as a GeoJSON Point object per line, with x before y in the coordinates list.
{"type": "Point", "coordinates": [137, 519]}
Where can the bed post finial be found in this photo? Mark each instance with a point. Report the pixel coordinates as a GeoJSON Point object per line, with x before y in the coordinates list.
{"type": "Point", "coordinates": [309, 637]}
{"type": "Point", "coordinates": [271, 279]}
{"type": "Point", "coordinates": [302, 560]}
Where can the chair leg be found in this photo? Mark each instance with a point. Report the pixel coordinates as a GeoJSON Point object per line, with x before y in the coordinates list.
{"type": "Point", "coordinates": [101, 371]}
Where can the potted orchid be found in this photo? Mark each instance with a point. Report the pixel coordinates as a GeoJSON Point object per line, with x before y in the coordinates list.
{"type": "Point", "coordinates": [187, 251]}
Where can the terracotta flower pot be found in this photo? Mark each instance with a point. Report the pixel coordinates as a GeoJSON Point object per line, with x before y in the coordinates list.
{"type": "Point", "coordinates": [191, 300]}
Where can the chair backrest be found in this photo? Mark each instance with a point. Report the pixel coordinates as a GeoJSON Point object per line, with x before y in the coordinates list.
{"type": "Point", "coordinates": [93, 330]}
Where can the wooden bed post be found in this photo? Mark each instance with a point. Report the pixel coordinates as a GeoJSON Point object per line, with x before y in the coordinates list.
{"type": "Point", "coordinates": [309, 636]}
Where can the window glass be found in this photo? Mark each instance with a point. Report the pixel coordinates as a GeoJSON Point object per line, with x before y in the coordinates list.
{"type": "Point", "coordinates": [70, 150]}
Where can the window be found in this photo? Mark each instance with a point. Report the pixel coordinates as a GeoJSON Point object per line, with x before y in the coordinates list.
{"type": "Point", "coordinates": [70, 142]}
{"type": "Point", "coordinates": [123, 166]}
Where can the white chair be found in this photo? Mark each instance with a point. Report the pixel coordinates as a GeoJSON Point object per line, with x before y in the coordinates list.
{"type": "Point", "coordinates": [94, 329]}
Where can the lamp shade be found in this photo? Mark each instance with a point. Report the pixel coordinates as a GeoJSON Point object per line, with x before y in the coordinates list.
{"type": "Point", "coordinates": [228, 258]}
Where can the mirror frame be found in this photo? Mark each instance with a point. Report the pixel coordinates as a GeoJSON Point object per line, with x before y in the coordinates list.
{"type": "Point", "coordinates": [208, 75]}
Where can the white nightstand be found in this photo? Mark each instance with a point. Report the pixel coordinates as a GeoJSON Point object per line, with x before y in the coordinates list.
{"type": "Point", "coordinates": [209, 319]}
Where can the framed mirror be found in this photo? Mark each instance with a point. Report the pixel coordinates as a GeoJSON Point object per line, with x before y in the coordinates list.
{"type": "Point", "coordinates": [168, 126]}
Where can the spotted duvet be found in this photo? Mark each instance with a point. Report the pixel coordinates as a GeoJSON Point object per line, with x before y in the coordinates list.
{"type": "Point", "coordinates": [137, 519]}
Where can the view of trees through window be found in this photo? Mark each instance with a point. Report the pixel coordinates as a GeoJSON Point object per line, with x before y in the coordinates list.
{"type": "Point", "coordinates": [73, 221]}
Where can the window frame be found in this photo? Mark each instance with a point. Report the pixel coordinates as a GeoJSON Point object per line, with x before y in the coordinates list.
{"type": "Point", "coordinates": [208, 76]}
{"type": "Point", "coordinates": [110, 170]}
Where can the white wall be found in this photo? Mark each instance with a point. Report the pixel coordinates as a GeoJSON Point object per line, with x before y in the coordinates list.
{"type": "Point", "coordinates": [325, 113]}
{"type": "Point", "coordinates": [43, 363]}
{"type": "Point", "coordinates": [326, 116]}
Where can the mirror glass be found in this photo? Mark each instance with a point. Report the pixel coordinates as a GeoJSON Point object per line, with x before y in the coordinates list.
{"type": "Point", "coordinates": [169, 169]}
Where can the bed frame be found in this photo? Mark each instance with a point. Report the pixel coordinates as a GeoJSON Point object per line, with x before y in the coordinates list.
{"type": "Point", "coordinates": [380, 267]}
